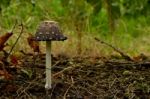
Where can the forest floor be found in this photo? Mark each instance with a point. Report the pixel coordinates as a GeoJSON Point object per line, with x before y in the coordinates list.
{"type": "Point", "coordinates": [75, 78]}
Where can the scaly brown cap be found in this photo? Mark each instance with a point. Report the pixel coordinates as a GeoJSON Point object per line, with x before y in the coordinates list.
{"type": "Point", "coordinates": [49, 31]}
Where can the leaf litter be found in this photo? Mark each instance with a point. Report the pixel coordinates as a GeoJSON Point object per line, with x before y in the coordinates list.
{"type": "Point", "coordinates": [77, 78]}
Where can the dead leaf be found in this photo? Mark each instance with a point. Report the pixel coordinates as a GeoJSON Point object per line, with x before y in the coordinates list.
{"type": "Point", "coordinates": [3, 39]}
{"type": "Point", "coordinates": [86, 97]}
{"type": "Point", "coordinates": [33, 44]}
{"type": "Point", "coordinates": [14, 60]}
{"type": "Point", "coordinates": [5, 75]}
{"type": "Point", "coordinates": [140, 57]}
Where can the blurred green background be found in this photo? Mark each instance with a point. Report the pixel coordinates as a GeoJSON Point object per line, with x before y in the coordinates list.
{"type": "Point", "coordinates": [122, 23]}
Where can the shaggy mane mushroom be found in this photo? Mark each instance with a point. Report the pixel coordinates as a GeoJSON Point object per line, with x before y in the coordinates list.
{"type": "Point", "coordinates": [49, 31]}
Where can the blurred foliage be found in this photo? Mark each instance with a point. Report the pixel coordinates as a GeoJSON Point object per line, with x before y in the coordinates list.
{"type": "Point", "coordinates": [96, 4]}
{"type": "Point", "coordinates": [131, 17]}
{"type": "Point", "coordinates": [135, 7]}
{"type": "Point", "coordinates": [78, 11]}
{"type": "Point", "coordinates": [4, 3]}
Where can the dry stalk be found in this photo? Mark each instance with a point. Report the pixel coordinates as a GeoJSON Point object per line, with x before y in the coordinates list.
{"type": "Point", "coordinates": [72, 83]}
{"type": "Point", "coordinates": [124, 55]}
{"type": "Point", "coordinates": [64, 70]}
{"type": "Point", "coordinates": [16, 40]}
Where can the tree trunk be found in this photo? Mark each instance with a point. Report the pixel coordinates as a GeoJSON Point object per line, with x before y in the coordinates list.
{"type": "Point", "coordinates": [110, 15]}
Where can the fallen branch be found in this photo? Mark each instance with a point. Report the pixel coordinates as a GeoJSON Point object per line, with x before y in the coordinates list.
{"type": "Point", "coordinates": [13, 28]}
{"type": "Point", "coordinates": [117, 63]}
{"type": "Point", "coordinates": [125, 56]}
{"type": "Point", "coordinates": [16, 40]}
{"type": "Point", "coordinates": [64, 70]}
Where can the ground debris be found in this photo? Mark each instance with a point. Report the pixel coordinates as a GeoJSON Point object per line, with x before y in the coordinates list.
{"type": "Point", "coordinates": [80, 78]}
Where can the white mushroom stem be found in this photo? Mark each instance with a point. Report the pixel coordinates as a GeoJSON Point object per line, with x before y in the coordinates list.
{"type": "Point", "coordinates": [48, 65]}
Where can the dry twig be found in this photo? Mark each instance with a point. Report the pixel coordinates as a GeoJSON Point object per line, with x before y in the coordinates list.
{"type": "Point", "coordinates": [16, 40]}
{"type": "Point", "coordinates": [125, 56]}
{"type": "Point", "coordinates": [72, 82]}
{"type": "Point", "coordinates": [64, 70]}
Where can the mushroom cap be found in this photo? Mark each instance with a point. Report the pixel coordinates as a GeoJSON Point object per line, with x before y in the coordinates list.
{"type": "Point", "coordinates": [49, 31]}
